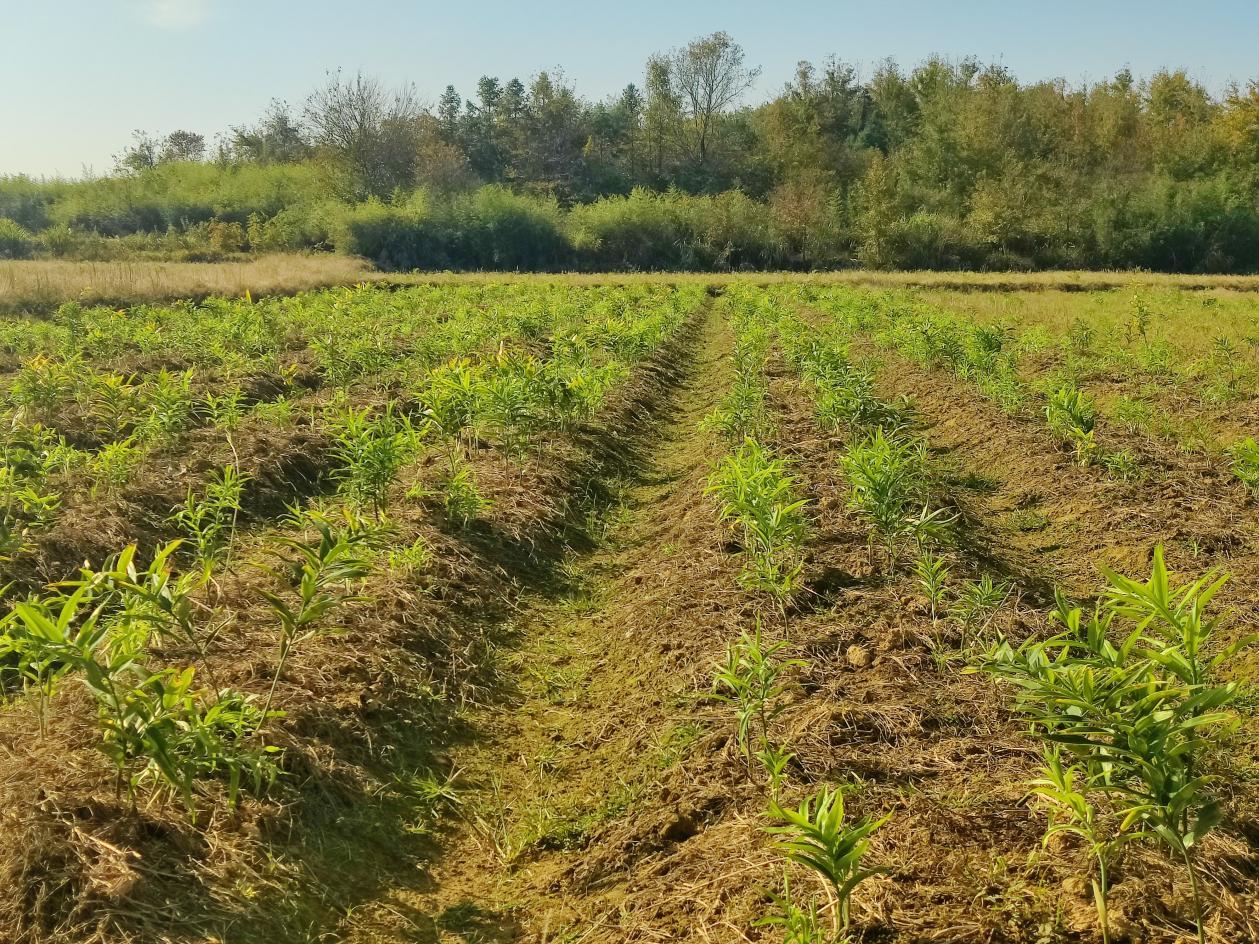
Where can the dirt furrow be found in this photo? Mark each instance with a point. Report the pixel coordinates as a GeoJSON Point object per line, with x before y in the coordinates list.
{"type": "Point", "coordinates": [889, 710]}
{"type": "Point", "coordinates": [578, 789]}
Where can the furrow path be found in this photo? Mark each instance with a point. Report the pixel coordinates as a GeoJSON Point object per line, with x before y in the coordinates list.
{"type": "Point", "coordinates": [578, 782]}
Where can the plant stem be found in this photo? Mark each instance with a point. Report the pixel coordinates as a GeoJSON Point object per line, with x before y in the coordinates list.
{"type": "Point", "coordinates": [231, 539]}
{"type": "Point", "coordinates": [1099, 896]}
{"type": "Point", "coordinates": [275, 680]}
{"type": "Point", "coordinates": [1197, 892]}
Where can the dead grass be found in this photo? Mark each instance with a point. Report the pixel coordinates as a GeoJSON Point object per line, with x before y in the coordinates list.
{"type": "Point", "coordinates": [40, 285]}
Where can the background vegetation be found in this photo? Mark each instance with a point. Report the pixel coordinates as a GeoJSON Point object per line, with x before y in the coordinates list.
{"type": "Point", "coordinates": [953, 165]}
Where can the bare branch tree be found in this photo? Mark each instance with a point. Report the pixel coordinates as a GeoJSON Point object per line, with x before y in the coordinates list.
{"type": "Point", "coordinates": [369, 131]}
{"type": "Point", "coordinates": [710, 76]}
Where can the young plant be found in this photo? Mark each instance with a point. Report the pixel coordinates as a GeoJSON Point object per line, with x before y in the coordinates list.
{"type": "Point", "coordinates": [217, 742]}
{"type": "Point", "coordinates": [933, 574]}
{"type": "Point", "coordinates": [890, 487]}
{"type": "Point", "coordinates": [515, 398]}
{"type": "Point", "coordinates": [1174, 620]}
{"type": "Point", "coordinates": [42, 636]}
{"type": "Point", "coordinates": [170, 401]}
{"type": "Point", "coordinates": [1137, 714]}
{"type": "Point", "coordinates": [1072, 796]}
{"type": "Point", "coordinates": [751, 681]}
{"type": "Point", "coordinates": [25, 504]}
{"type": "Point", "coordinates": [370, 451]}
{"type": "Point", "coordinates": [757, 491]}
{"type": "Point", "coordinates": [113, 464]}
{"type": "Point", "coordinates": [225, 410]}
{"type": "Point", "coordinates": [322, 571]}
{"type": "Point", "coordinates": [818, 837]}
{"type": "Point", "coordinates": [975, 605]}
{"type": "Point", "coordinates": [799, 923]}
{"type": "Point", "coordinates": [462, 499]}
{"type": "Point", "coordinates": [742, 413]}
{"type": "Point", "coordinates": [1244, 458]}
{"type": "Point", "coordinates": [1071, 417]}
{"type": "Point", "coordinates": [155, 598]}
{"type": "Point", "coordinates": [150, 721]}
{"type": "Point", "coordinates": [154, 728]}
{"type": "Point", "coordinates": [112, 403]}
{"type": "Point", "coordinates": [210, 520]}
{"type": "Point", "coordinates": [45, 384]}
{"type": "Point", "coordinates": [450, 404]}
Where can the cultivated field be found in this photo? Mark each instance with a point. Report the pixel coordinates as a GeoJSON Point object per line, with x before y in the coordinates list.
{"type": "Point", "coordinates": [870, 608]}
{"type": "Point", "coordinates": [31, 286]}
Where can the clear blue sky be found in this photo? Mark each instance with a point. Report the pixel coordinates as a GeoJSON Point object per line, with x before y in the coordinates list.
{"type": "Point", "coordinates": [79, 75]}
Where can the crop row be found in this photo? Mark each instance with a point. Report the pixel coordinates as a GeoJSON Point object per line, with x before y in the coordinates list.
{"type": "Point", "coordinates": [991, 356]}
{"type": "Point", "coordinates": [143, 633]}
{"type": "Point", "coordinates": [76, 429]}
{"type": "Point", "coordinates": [1129, 702]}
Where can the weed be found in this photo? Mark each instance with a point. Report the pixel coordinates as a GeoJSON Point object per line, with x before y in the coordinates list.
{"type": "Point", "coordinates": [1123, 465]}
{"type": "Point", "coordinates": [676, 742]}
{"type": "Point", "coordinates": [1028, 520]}
{"type": "Point", "coordinates": [278, 412]}
{"type": "Point", "coordinates": [1224, 373]}
{"type": "Point", "coordinates": [412, 560]}
{"type": "Point", "coordinates": [1136, 416]}
{"type": "Point", "coordinates": [429, 794]}
{"type": "Point", "coordinates": [1004, 388]}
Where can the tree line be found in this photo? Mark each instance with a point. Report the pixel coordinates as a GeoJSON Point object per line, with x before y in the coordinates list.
{"type": "Point", "coordinates": [951, 164]}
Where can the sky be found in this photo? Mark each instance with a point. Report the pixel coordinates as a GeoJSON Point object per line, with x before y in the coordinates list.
{"type": "Point", "coordinates": [80, 75]}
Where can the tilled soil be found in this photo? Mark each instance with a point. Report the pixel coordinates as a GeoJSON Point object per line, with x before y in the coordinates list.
{"type": "Point", "coordinates": [594, 791]}
{"type": "Point", "coordinates": [605, 799]}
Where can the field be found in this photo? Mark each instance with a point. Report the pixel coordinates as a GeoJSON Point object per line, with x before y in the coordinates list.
{"type": "Point", "coordinates": [31, 286]}
{"type": "Point", "coordinates": [882, 608]}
